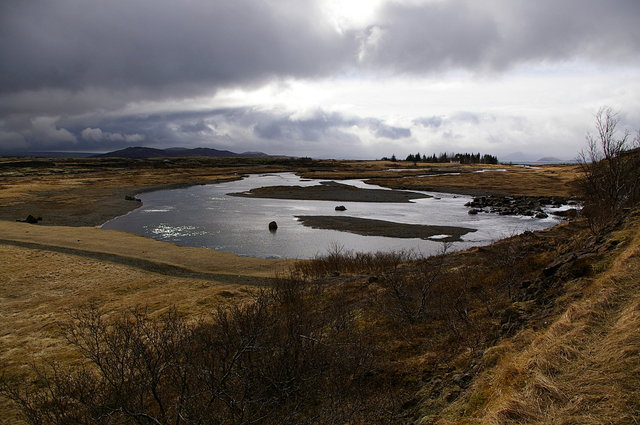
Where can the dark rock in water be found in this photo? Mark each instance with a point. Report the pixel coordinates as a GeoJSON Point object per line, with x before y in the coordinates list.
{"type": "Point", "coordinates": [542, 215]}
{"type": "Point", "coordinates": [513, 205]}
{"type": "Point", "coordinates": [473, 211]}
{"type": "Point", "coordinates": [341, 208]}
{"type": "Point", "coordinates": [273, 226]}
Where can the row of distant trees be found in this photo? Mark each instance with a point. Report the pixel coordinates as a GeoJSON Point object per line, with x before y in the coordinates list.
{"type": "Point", "coordinates": [463, 158]}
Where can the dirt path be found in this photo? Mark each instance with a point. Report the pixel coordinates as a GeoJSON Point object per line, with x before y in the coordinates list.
{"type": "Point", "coordinates": [140, 252]}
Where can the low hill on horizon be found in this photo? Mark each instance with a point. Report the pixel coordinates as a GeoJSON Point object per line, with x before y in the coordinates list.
{"type": "Point", "coordinates": [140, 152]}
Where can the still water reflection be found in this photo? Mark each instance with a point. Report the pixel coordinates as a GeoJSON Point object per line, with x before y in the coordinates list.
{"type": "Point", "coordinates": [206, 216]}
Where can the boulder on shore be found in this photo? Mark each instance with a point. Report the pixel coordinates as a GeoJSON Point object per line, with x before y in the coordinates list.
{"type": "Point", "coordinates": [30, 219]}
{"type": "Point", "coordinates": [530, 206]}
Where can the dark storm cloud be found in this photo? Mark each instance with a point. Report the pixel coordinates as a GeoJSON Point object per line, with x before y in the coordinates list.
{"type": "Point", "coordinates": [496, 34]}
{"type": "Point", "coordinates": [162, 44]}
{"type": "Point", "coordinates": [274, 131]}
{"type": "Point", "coordinates": [326, 126]}
{"type": "Point", "coordinates": [67, 66]}
{"type": "Point", "coordinates": [317, 127]}
{"type": "Point", "coordinates": [417, 37]}
{"type": "Point", "coordinates": [164, 48]}
{"type": "Point", "coordinates": [382, 130]}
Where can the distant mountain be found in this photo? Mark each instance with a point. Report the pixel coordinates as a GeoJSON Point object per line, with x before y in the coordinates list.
{"type": "Point", "coordinates": [518, 157]}
{"type": "Point", "coordinates": [551, 159]}
{"type": "Point", "coordinates": [527, 158]}
{"type": "Point", "coordinates": [139, 152]}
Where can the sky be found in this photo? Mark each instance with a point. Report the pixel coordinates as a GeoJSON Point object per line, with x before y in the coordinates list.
{"type": "Point", "coordinates": [356, 79]}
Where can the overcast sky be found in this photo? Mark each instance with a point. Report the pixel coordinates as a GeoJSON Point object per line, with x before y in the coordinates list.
{"type": "Point", "coordinates": [322, 78]}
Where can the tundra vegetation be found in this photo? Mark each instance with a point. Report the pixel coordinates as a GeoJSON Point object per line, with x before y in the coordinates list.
{"type": "Point", "coordinates": [538, 328]}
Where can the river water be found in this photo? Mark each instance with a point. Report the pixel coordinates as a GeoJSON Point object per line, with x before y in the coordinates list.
{"type": "Point", "coordinates": [206, 216]}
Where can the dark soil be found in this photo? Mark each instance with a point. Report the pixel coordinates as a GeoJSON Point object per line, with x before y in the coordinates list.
{"type": "Point", "coordinates": [369, 227]}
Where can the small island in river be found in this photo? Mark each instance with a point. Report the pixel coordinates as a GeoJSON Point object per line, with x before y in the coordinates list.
{"type": "Point", "coordinates": [332, 191]}
{"type": "Point", "coordinates": [370, 227]}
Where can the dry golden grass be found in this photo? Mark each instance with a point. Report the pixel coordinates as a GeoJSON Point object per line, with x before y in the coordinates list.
{"type": "Point", "coordinates": [549, 180]}
{"type": "Point", "coordinates": [544, 180]}
{"type": "Point", "coordinates": [64, 267]}
{"type": "Point", "coordinates": [584, 368]}
{"type": "Point", "coordinates": [59, 269]}
{"type": "Point", "coordinates": [131, 248]}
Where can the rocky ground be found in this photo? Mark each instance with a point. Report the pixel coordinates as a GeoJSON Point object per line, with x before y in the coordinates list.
{"type": "Point", "coordinates": [532, 206]}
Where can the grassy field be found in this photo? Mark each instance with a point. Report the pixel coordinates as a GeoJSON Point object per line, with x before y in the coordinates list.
{"type": "Point", "coordinates": [540, 328]}
{"type": "Point", "coordinates": [581, 364]}
{"type": "Point", "coordinates": [50, 271]}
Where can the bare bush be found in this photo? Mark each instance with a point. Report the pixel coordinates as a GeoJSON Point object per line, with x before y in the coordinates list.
{"type": "Point", "coordinates": [268, 361]}
{"type": "Point", "coordinates": [339, 260]}
{"type": "Point", "coordinates": [611, 178]}
{"type": "Point", "coordinates": [409, 294]}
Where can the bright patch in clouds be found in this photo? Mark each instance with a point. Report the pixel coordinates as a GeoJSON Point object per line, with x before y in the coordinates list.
{"type": "Point", "coordinates": [348, 14]}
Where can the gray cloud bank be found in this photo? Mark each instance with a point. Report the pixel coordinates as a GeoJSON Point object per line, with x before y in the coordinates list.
{"type": "Point", "coordinates": [74, 44]}
{"type": "Point", "coordinates": [496, 34]}
{"type": "Point", "coordinates": [65, 63]}
{"type": "Point", "coordinates": [240, 129]}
